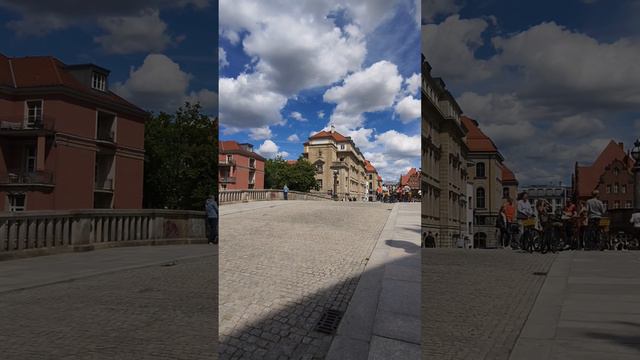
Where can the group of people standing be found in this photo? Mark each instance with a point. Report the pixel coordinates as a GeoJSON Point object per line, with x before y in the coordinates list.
{"type": "Point", "coordinates": [575, 218]}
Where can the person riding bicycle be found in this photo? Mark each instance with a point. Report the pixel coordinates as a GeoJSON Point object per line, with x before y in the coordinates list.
{"type": "Point", "coordinates": [510, 213]}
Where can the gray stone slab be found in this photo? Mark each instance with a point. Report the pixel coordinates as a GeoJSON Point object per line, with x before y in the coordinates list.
{"type": "Point", "coordinates": [401, 272]}
{"type": "Point", "coordinates": [389, 349]}
{"type": "Point", "coordinates": [531, 349]}
{"type": "Point", "coordinates": [402, 297]}
{"type": "Point", "coordinates": [398, 326]}
{"type": "Point", "coordinates": [344, 348]}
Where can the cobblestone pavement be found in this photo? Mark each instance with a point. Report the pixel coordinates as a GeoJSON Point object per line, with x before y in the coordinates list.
{"type": "Point", "coordinates": [156, 312]}
{"type": "Point", "coordinates": [281, 267]}
{"type": "Point", "coordinates": [475, 302]}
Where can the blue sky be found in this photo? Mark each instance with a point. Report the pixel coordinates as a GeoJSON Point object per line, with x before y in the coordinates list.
{"type": "Point", "coordinates": [289, 69]}
{"type": "Point", "coordinates": [551, 82]}
{"type": "Point", "coordinates": [160, 52]}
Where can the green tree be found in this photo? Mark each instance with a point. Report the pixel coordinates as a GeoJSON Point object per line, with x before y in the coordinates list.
{"type": "Point", "coordinates": [302, 176]}
{"type": "Point", "coordinates": [181, 159]}
{"type": "Point", "coordinates": [275, 173]}
{"type": "Point", "coordinates": [299, 176]}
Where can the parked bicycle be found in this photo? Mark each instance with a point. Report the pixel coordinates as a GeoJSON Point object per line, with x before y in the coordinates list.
{"type": "Point", "coordinates": [530, 239]}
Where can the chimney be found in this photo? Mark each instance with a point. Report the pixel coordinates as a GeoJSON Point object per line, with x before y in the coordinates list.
{"type": "Point", "coordinates": [333, 128]}
{"type": "Point", "coordinates": [621, 145]}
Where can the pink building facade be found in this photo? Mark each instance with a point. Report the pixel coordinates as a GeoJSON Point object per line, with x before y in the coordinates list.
{"type": "Point", "coordinates": [66, 141]}
{"type": "Point", "coordinates": [239, 167]}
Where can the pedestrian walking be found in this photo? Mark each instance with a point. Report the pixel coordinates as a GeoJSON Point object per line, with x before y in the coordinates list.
{"type": "Point", "coordinates": [285, 191]}
{"type": "Point", "coordinates": [430, 241]}
{"type": "Point", "coordinates": [211, 208]}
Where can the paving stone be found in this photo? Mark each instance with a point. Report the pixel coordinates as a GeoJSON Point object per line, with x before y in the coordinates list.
{"type": "Point", "coordinates": [284, 265]}
{"type": "Point", "coordinates": [475, 302]}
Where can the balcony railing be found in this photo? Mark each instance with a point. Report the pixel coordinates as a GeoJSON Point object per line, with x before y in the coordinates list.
{"type": "Point", "coordinates": [228, 180]}
{"type": "Point", "coordinates": [226, 162]}
{"type": "Point", "coordinates": [19, 124]}
{"type": "Point", "coordinates": [106, 185]}
{"type": "Point", "coordinates": [19, 177]}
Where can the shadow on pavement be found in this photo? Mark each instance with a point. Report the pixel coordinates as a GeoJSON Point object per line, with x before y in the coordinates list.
{"type": "Point", "coordinates": [408, 246]}
{"type": "Point", "coordinates": [632, 340]}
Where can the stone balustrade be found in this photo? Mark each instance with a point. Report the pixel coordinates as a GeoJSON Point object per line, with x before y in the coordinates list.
{"type": "Point", "coordinates": [33, 233]}
{"type": "Point", "coordinates": [234, 196]}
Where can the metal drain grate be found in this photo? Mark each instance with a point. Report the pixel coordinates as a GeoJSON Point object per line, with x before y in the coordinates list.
{"type": "Point", "coordinates": [540, 273]}
{"type": "Point", "coordinates": [329, 321]}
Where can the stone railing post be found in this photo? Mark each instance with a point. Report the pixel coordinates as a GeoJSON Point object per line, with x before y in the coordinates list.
{"type": "Point", "coordinates": [81, 230]}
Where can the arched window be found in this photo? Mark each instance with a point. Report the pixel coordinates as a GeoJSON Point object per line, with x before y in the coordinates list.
{"type": "Point", "coordinates": [480, 173]}
{"type": "Point", "coordinates": [480, 200]}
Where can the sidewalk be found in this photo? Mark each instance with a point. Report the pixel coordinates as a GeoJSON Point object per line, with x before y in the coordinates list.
{"type": "Point", "coordinates": [588, 308]}
{"type": "Point", "coordinates": [383, 318]}
{"type": "Point", "coordinates": [44, 270]}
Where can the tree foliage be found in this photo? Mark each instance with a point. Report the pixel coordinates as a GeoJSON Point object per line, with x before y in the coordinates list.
{"type": "Point", "coordinates": [299, 176]}
{"type": "Point", "coordinates": [181, 159]}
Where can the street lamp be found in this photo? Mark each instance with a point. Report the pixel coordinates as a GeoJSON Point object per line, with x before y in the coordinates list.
{"type": "Point", "coordinates": [335, 185]}
{"type": "Point", "coordinates": [635, 153]}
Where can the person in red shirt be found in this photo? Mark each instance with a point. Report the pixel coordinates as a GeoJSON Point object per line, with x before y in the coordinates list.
{"type": "Point", "coordinates": [510, 211]}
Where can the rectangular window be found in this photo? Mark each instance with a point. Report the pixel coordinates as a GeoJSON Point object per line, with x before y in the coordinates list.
{"type": "Point", "coordinates": [606, 203]}
{"type": "Point", "coordinates": [34, 113]}
{"type": "Point", "coordinates": [608, 189]}
{"type": "Point", "coordinates": [17, 202]}
{"type": "Point", "coordinates": [628, 204]}
{"type": "Point", "coordinates": [30, 158]}
{"type": "Point", "coordinates": [624, 189]}
{"type": "Point", "coordinates": [615, 188]}
{"type": "Point", "coordinates": [616, 204]}
{"type": "Point", "coordinates": [98, 81]}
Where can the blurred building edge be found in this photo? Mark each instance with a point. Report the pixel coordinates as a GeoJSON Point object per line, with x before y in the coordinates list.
{"type": "Point", "coordinates": [464, 179]}
{"type": "Point", "coordinates": [239, 167]}
{"type": "Point", "coordinates": [66, 140]}
{"type": "Point", "coordinates": [444, 163]}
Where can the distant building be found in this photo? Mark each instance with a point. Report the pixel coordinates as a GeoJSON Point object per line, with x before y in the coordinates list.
{"type": "Point", "coordinates": [611, 174]}
{"type": "Point", "coordinates": [492, 182]}
{"type": "Point", "coordinates": [556, 195]}
{"type": "Point", "coordinates": [410, 181]}
{"type": "Point", "coordinates": [66, 140]}
{"type": "Point", "coordinates": [336, 156]}
{"type": "Point", "coordinates": [239, 167]}
{"type": "Point", "coordinates": [373, 181]}
{"type": "Point", "coordinates": [444, 162]}
{"type": "Point", "coordinates": [509, 184]}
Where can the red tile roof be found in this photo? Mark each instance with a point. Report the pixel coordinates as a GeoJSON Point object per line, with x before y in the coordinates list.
{"type": "Point", "coordinates": [589, 176]}
{"type": "Point", "coordinates": [47, 71]}
{"type": "Point", "coordinates": [233, 147]}
{"type": "Point", "coordinates": [328, 134]}
{"type": "Point", "coordinates": [507, 174]}
{"type": "Point", "coordinates": [368, 167]}
{"type": "Point", "coordinates": [292, 162]}
{"type": "Point", "coordinates": [407, 178]}
{"type": "Point", "coordinates": [477, 141]}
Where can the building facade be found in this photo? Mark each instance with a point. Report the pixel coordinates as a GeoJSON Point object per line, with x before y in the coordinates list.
{"type": "Point", "coordinates": [444, 162]}
{"type": "Point", "coordinates": [239, 167]}
{"type": "Point", "coordinates": [339, 164]}
{"type": "Point", "coordinates": [492, 182]}
{"type": "Point", "coordinates": [611, 174]}
{"type": "Point", "coordinates": [373, 182]}
{"type": "Point", "coordinates": [67, 141]}
{"type": "Point", "coordinates": [616, 185]}
{"type": "Point", "coordinates": [556, 195]}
